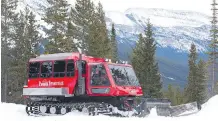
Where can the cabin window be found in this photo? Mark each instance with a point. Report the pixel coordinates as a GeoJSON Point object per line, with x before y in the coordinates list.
{"type": "Point", "coordinates": [34, 69]}
{"type": "Point", "coordinates": [46, 69]}
{"type": "Point", "coordinates": [59, 68]}
{"type": "Point", "coordinates": [70, 68]}
{"type": "Point", "coordinates": [99, 76]}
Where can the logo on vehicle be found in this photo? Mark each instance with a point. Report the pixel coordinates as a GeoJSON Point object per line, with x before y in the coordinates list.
{"type": "Point", "coordinates": [45, 83]}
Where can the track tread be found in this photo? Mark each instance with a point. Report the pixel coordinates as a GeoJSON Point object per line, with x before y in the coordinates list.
{"type": "Point", "coordinates": [93, 108]}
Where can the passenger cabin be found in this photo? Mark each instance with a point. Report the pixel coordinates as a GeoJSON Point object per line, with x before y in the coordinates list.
{"type": "Point", "coordinates": [58, 65]}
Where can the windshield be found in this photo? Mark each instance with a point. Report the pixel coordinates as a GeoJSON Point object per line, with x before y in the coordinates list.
{"type": "Point", "coordinates": [123, 75]}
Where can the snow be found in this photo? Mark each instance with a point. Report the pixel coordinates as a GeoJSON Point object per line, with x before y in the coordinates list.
{"type": "Point", "coordinates": [119, 18]}
{"type": "Point", "coordinates": [169, 18]}
{"type": "Point", "coordinates": [159, 17]}
{"type": "Point", "coordinates": [15, 112]}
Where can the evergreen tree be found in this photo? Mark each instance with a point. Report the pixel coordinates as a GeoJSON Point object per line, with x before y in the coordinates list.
{"type": "Point", "coordinates": [7, 17]}
{"type": "Point", "coordinates": [143, 61]}
{"type": "Point", "coordinates": [91, 31]}
{"type": "Point", "coordinates": [138, 60]}
{"type": "Point", "coordinates": [114, 44]}
{"type": "Point", "coordinates": [99, 36]}
{"type": "Point", "coordinates": [170, 94]}
{"type": "Point", "coordinates": [179, 97]}
{"type": "Point", "coordinates": [56, 17]}
{"type": "Point", "coordinates": [213, 47]}
{"type": "Point", "coordinates": [71, 46]}
{"type": "Point", "coordinates": [83, 16]}
{"type": "Point", "coordinates": [16, 74]}
{"type": "Point", "coordinates": [201, 82]}
{"type": "Point", "coordinates": [174, 94]}
{"type": "Point", "coordinates": [94, 43]}
{"type": "Point", "coordinates": [26, 37]}
{"type": "Point", "coordinates": [192, 77]}
{"type": "Point", "coordinates": [216, 87]}
{"type": "Point", "coordinates": [32, 34]}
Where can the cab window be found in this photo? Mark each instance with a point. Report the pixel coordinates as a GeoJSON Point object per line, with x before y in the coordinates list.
{"type": "Point", "coordinates": [59, 68]}
{"type": "Point", "coordinates": [99, 76]}
{"type": "Point", "coordinates": [70, 68]}
{"type": "Point", "coordinates": [34, 69]}
{"type": "Point", "coordinates": [46, 69]}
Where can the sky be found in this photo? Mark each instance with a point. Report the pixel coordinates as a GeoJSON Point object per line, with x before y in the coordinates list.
{"type": "Point", "coordinates": [203, 6]}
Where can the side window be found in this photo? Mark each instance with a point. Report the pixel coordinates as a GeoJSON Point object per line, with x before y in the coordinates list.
{"type": "Point", "coordinates": [59, 68]}
{"type": "Point", "coordinates": [46, 69]}
{"type": "Point", "coordinates": [99, 76]}
{"type": "Point", "coordinates": [34, 69]}
{"type": "Point", "coordinates": [70, 68]}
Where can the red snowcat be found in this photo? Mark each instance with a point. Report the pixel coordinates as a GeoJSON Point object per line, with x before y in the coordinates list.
{"type": "Point", "coordinates": [64, 82]}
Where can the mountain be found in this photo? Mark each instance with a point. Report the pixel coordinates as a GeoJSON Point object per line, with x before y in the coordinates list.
{"type": "Point", "coordinates": [174, 31]}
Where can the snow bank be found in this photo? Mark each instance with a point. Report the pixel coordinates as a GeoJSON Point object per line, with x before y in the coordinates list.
{"type": "Point", "coordinates": [13, 112]}
{"type": "Point", "coordinates": [210, 108]}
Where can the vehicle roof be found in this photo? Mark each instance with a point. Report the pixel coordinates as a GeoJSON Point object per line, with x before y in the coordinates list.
{"type": "Point", "coordinates": [63, 56]}
{"type": "Point", "coordinates": [75, 56]}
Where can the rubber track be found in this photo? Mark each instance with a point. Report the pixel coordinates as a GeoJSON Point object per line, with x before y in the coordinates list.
{"type": "Point", "coordinates": [94, 108]}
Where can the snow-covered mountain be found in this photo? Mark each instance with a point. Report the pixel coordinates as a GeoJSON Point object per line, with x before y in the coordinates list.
{"type": "Point", "coordinates": [174, 31]}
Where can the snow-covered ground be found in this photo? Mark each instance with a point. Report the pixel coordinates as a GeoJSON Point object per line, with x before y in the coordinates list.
{"type": "Point", "coordinates": [13, 112]}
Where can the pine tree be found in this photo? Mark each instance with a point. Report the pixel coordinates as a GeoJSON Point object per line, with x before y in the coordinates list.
{"type": "Point", "coordinates": [178, 97]}
{"type": "Point", "coordinates": [91, 31]}
{"type": "Point", "coordinates": [7, 17]}
{"type": "Point", "coordinates": [201, 82]}
{"type": "Point", "coordinates": [138, 60]}
{"type": "Point", "coordinates": [56, 17]}
{"type": "Point", "coordinates": [26, 37]}
{"type": "Point", "coordinates": [196, 88]}
{"type": "Point", "coordinates": [114, 44]}
{"type": "Point", "coordinates": [100, 38]}
{"type": "Point", "coordinates": [192, 77]}
{"type": "Point", "coordinates": [94, 43]}
{"type": "Point", "coordinates": [216, 87]}
{"type": "Point", "coordinates": [174, 94]}
{"type": "Point", "coordinates": [18, 52]}
{"type": "Point", "coordinates": [213, 47]}
{"type": "Point", "coordinates": [82, 17]}
{"type": "Point", "coordinates": [143, 61]}
{"type": "Point", "coordinates": [33, 36]}
{"type": "Point", "coordinates": [71, 46]}
{"type": "Point", "coordinates": [170, 94]}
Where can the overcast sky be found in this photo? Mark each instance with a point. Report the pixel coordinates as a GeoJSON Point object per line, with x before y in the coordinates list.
{"type": "Point", "coordinates": [202, 6]}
